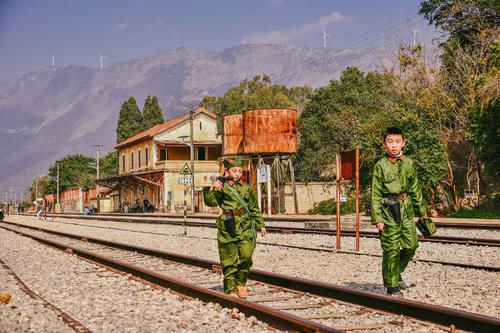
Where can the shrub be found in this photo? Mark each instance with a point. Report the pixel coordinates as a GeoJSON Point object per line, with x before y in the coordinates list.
{"type": "Point", "coordinates": [474, 213]}
{"type": "Point", "coordinates": [329, 207]}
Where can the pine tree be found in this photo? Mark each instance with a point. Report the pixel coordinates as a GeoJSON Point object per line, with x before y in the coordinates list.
{"type": "Point", "coordinates": [152, 112]}
{"type": "Point", "coordinates": [157, 112]}
{"type": "Point", "coordinates": [147, 112]}
{"type": "Point", "coordinates": [130, 121]}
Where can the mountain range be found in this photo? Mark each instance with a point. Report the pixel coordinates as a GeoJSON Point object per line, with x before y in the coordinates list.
{"type": "Point", "coordinates": [55, 111]}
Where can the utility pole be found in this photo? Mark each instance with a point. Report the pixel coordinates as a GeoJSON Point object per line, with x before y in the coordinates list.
{"type": "Point", "coordinates": [191, 116]}
{"type": "Point", "coordinates": [97, 179]}
{"type": "Point", "coordinates": [57, 183]}
{"type": "Point", "coordinates": [57, 206]}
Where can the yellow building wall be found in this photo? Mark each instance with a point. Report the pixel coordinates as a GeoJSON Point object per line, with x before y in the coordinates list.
{"type": "Point", "coordinates": [206, 133]}
{"type": "Point", "coordinates": [204, 129]}
{"type": "Point", "coordinates": [308, 195]}
{"type": "Point", "coordinates": [135, 148]}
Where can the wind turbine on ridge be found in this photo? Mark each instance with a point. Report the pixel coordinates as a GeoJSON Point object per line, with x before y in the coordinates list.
{"type": "Point", "coordinates": [324, 38]}
{"type": "Point", "coordinates": [101, 57]}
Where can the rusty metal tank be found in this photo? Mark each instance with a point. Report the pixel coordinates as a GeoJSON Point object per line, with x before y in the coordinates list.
{"type": "Point", "coordinates": [233, 135]}
{"type": "Point", "coordinates": [270, 131]}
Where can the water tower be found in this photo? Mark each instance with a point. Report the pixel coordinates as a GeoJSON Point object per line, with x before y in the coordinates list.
{"type": "Point", "coordinates": [265, 137]}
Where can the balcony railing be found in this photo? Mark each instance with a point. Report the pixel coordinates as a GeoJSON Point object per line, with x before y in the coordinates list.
{"type": "Point", "coordinates": [176, 166]}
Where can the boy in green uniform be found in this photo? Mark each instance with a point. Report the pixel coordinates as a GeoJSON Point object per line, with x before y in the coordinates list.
{"type": "Point", "coordinates": [396, 199]}
{"type": "Point", "coordinates": [237, 226]}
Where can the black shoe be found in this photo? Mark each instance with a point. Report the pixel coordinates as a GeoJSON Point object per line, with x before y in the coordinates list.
{"type": "Point", "coordinates": [394, 291]}
{"type": "Point", "coordinates": [401, 283]}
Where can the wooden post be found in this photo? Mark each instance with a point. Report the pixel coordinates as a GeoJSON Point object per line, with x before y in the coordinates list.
{"type": "Point", "coordinates": [277, 162]}
{"type": "Point", "coordinates": [294, 190]}
{"type": "Point", "coordinates": [357, 199]}
{"type": "Point", "coordinates": [338, 201]}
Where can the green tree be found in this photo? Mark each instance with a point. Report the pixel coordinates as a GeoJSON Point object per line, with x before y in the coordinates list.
{"type": "Point", "coordinates": [152, 112]}
{"type": "Point", "coordinates": [471, 29]}
{"type": "Point", "coordinates": [109, 164]}
{"type": "Point", "coordinates": [353, 113]}
{"type": "Point", "coordinates": [253, 94]}
{"type": "Point", "coordinates": [333, 119]}
{"type": "Point", "coordinates": [74, 171]}
{"type": "Point", "coordinates": [487, 114]}
{"type": "Point", "coordinates": [130, 121]}
{"type": "Point", "coordinates": [40, 184]}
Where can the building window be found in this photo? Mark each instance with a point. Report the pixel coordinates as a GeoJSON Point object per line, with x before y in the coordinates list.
{"type": "Point", "coordinates": [146, 157]}
{"type": "Point", "coordinates": [163, 154]}
{"type": "Point", "coordinates": [139, 159]}
{"type": "Point", "coordinates": [201, 152]}
{"type": "Point", "coordinates": [200, 125]}
{"type": "Point", "coordinates": [132, 161]}
{"type": "Point", "coordinates": [123, 162]}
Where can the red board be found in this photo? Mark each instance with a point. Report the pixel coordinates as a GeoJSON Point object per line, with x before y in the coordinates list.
{"type": "Point", "coordinates": [348, 165]}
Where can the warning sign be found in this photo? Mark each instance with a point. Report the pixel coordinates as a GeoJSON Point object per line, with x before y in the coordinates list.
{"type": "Point", "coordinates": [185, 170]}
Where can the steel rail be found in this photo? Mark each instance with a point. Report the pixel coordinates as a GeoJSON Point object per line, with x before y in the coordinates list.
{"type": "Point", "coordinates": [428, 312]}
{"type": "Point", "coordinates": [328, 250]}
{"type": "Point", "coordinates": [275, 318]}
{"type": "Point", "coordinates": [281, 218]}
{"type": "Point", "coordinates": [279, 229]}
{"type": "Point", "coordinates": [66, 318]}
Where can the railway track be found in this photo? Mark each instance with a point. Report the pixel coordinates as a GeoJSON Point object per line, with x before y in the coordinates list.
{"type": "Point", "coordinates": [326, 250]}
{"type": "Point", "coordinates": [282, 301]}
{"type": "Point", "coordinates": [197, 222]}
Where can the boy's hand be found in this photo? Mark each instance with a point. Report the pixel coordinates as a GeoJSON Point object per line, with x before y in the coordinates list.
{"type": "Point", "coordinates": [217, 184]}
{"type": "Point", "coordinates": [263, 232]}
{"type": "Point", "coordinates": [380, 226]}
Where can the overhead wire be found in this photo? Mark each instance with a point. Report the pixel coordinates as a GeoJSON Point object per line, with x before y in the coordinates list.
{"type": "Point", "coordinates": [366, 38]}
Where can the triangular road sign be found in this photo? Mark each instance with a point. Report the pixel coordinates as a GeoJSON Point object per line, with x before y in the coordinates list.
{"type": "Point", "coordinates": [185, 170]}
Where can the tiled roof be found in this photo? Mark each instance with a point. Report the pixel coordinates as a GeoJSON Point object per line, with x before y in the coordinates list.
{"type": "Point", "coordinates": [161, 127]}
{"type": "Point", "coordinates": [182, 144]}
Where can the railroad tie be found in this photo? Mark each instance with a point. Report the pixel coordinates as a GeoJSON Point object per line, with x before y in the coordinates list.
{"type": "Point", "coordinates": [296, 306]}
{"type": "Point", "coordinates": [329, 315]}
{"type": "Point", "coordinates": [362, 327]}
{"type": "Point", "coordinates": [270, 299]}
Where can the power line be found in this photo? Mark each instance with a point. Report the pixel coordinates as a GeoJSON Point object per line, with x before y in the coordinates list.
{"type": "Point", "coordinates": [368, 35]}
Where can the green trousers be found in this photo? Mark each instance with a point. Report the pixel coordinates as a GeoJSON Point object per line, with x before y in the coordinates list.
{"type": "Point", "coordinates": [236, 260]}
{"type": "Point", "coordinates": [399, 242]}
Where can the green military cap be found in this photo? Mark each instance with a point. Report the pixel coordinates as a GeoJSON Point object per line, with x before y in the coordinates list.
{"type": "Point", "coordinates": [233, 161]}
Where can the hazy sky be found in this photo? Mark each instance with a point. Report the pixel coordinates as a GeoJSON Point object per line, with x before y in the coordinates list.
{"type": "Point", "coordinates": [77, 31]}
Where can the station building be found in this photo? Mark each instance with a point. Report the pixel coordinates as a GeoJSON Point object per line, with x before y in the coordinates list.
{"type": "Point", "coordinates": [152, 163]}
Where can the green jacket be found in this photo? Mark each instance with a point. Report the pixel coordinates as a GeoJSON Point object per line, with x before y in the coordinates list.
{"type": "Point", "coordinates": [228, 201]}
{"type": "Point", "coordinates": [394, 176]}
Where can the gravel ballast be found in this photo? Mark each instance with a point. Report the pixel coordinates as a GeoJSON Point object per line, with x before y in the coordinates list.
{"type": "Point", "coordinates": [464, 289]}
{"type": "Point", "coordinates": [101, 300]}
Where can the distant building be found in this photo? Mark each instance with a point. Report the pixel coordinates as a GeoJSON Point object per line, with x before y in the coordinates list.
{"type": "Point", "coordinates": [151, 163]}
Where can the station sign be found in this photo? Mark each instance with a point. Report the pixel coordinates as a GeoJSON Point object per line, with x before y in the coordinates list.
{"type": "Point", "coordinates": [264, 173]}
{"type": "Point", "coordinates": [186, 170]}
{"type": "Point", "coordinates": [208, 179]}
{"type": "Point", "coordinates": [185, 180]}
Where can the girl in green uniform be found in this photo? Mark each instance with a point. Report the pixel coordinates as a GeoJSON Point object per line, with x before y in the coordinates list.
{"type": "Point", "coordinates": [237, 226]}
